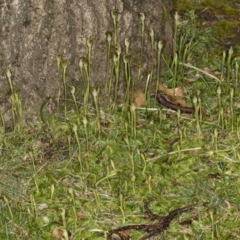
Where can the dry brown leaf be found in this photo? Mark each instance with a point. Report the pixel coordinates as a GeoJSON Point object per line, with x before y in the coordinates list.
{"type": "Point", "coordinates": [161, 87]}
{"type": "Point", "coordinates": [124, 235]}
{"type": "Point", "coordinates": [174, 94]}
{"type": "Point", "coordinates": [57, 233]}
{"type": "Point", "coordinates": [81, 216]}
{"type": "Point", "coordinates": [138, 98]}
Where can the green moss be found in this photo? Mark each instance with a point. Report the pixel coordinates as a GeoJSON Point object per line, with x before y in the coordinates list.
{"type": "Point", "coordinates": [225, 29]}
{"type": "Point", "coordinates": [220, 7]}
{"type": "Point", "coordinates": [214, 6]}
{"type": "Point", "coordinates": [219, 18]}
{"type": "Point", "coordinates": [184, 5]}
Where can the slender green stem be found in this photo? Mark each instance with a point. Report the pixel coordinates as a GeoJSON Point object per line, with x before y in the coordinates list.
{"type": "Point", "coordinates": [219, 93]}
{"type": "Point", "coordinates": [151, 34]}
{"type": "Point", "coordinates": [114, 14]}
{"type": "Point", "coordinates": [236, 72]}
{"type": "Point", "coordinates": [133, 122]}
{"type": "Point", "coordinates": [16, 104]}
{"type": "Point", "coordinates": [89, 44]}
{"type": "Point", "coordinates": [59, 60]}
{"type": "Point", "coordinates": [63, 215]}
{"type": "Point", "coordinates": [142, 18]}
{"type": "Point", "coordinates": [85, 124]}
{"type": "Point", "coordinates": [147, 88]}
{"type": "Point", "coordinates": [95, 99]}
{"type": "Point", "coordinates": [8, 206]}
{"type": "Point", "coordinates": [64, 66]}
{"type": "Point", "coordinates": [122, 206]}
{"type": "Point", "coordinates": [196, 113]}
{"type": "Point", "coordinates": [107, 84]}
{"type": "Point", "coordinates": [229, 66]}
{"type": "Point", "coordinates": [176, 23]}
{"type": "Point", "coordinates": [81, 68]}
{"type": "Point", "coordinates": [127, 78]}
{"type": "Point", "coordinates": [175, 68]}
{"type": "Point", "coordinates": [72, 90]}
{"type": "Point", "coordinates": [231, 107]}
{"type": "Point", "coordinates": [2, 124]}
{"type": "Point", "coordinates": [116, 60]}
{"type": "Point", "coordinates": [87, 90]}
{"type": "Point", "coordinates": [75, 130]}
{"type": "Point", "coordinates": [160, 47]}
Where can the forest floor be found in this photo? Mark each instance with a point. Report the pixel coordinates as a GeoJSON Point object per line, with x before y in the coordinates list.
{"type": "Point", "coordinates": [144, 171]}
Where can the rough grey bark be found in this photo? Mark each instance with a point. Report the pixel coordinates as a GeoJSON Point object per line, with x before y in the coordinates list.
{"type": "Point", "coordinates": [34, 32]}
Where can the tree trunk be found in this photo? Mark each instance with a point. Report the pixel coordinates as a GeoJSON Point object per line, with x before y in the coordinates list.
{"type": "Point", "coordinates": [34, 32]}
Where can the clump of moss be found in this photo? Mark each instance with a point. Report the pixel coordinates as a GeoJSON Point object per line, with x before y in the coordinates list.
{"type": "Point", "coordinates": [219, 7]}
{"type": "Point", "coordinates": [214, 6]}
{"type": "Point", "coordinates": [225, 28]}
{"type": "Point", "coordinates": [184, 5]}
{"type": "Point", "coordinates": [219, 18]}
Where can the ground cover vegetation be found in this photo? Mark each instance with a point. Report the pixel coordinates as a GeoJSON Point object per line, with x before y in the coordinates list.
{"type": "Point", "coordinates": [88, 172]}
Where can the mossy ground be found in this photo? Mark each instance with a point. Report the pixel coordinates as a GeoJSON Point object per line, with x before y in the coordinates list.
{"type": "Point", "coordinates": [221, 17]}
{"type": "Point", "coordinates": [79, 173]}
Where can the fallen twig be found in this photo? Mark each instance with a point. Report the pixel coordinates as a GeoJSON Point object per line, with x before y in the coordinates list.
{"type": "Point", "coordinates": [151, 229]}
